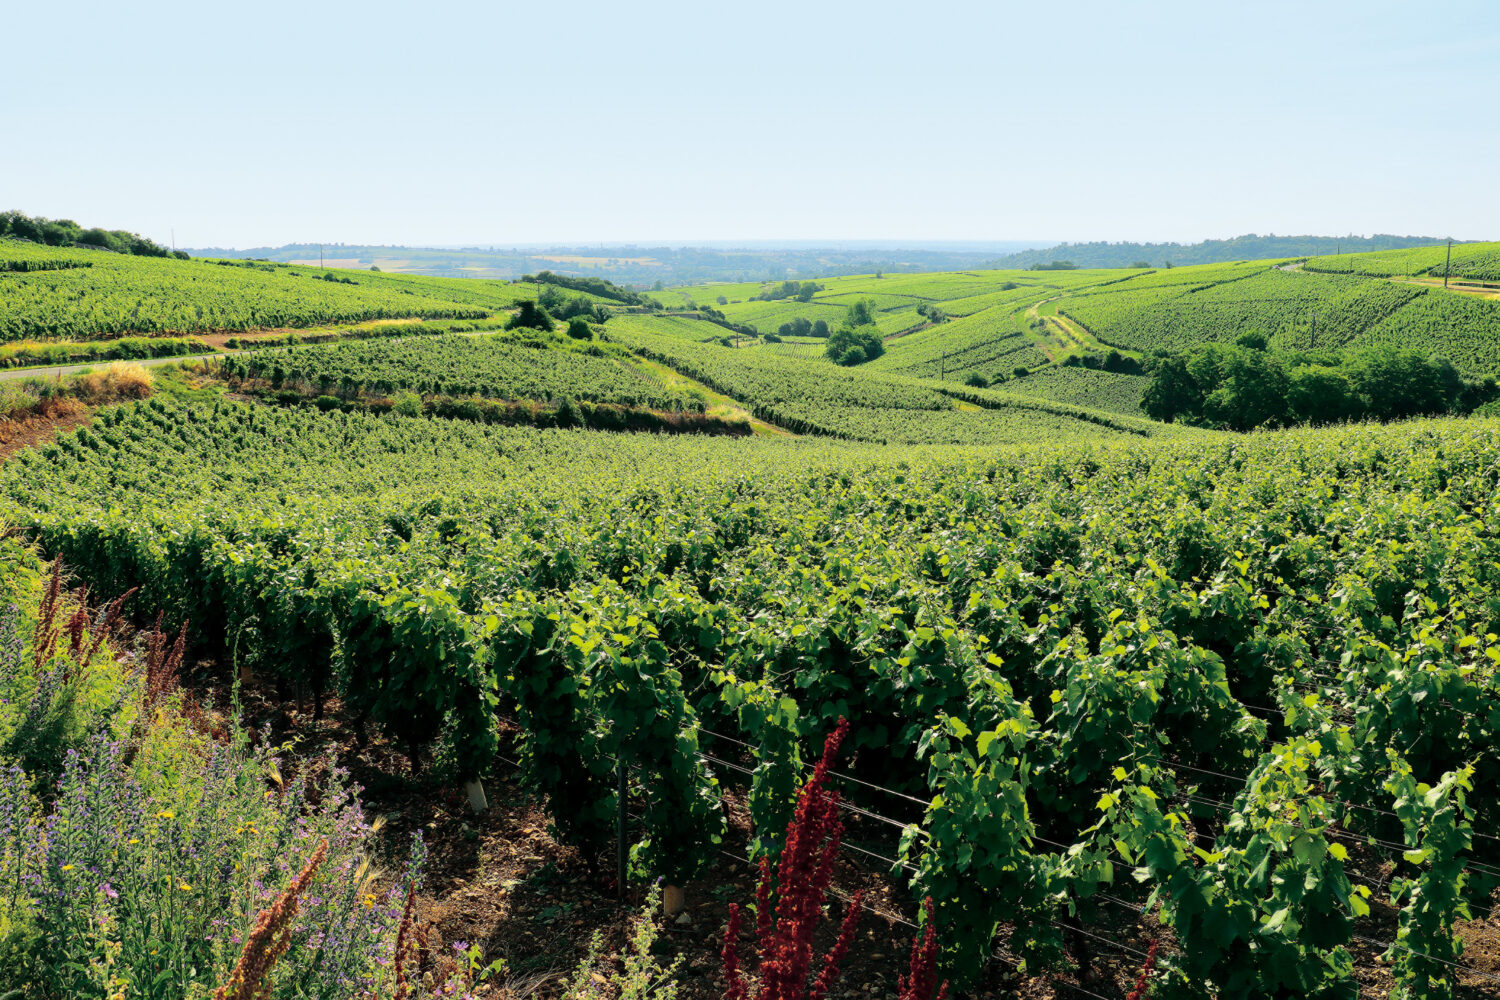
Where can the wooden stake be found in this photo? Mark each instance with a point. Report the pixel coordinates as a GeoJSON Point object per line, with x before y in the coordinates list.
{"type": "Point", "coordinates": [478, 801]}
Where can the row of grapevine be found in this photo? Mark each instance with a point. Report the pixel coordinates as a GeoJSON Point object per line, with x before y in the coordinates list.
{"type": "Point", "coordinates": [1296, 310]}
{"type": "Point", "coordinates": [815, 397]}
{"type": "Point", "coordinates": [498, 366]}
{"type": "Point", "coordinates": [1232, 666]}
{"type": "Point", "coordinates": [97, 293]}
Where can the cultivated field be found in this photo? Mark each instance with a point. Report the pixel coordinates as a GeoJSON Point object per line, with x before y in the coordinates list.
{"type": "Point", "coordinates": [1110, 684]}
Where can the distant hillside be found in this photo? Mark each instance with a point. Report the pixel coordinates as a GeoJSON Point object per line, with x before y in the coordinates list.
{"type": "Point", "coordinates": [637, 266]}
{"type": "Point", "coordinates": [1249, 247]}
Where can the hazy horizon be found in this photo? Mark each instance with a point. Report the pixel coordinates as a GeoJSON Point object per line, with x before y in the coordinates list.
{"type": "Point", "coordinates": [674, 124]}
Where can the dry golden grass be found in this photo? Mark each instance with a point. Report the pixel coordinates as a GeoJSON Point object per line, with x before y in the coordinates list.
{"type": "Point", "coordinates": [122, 380]}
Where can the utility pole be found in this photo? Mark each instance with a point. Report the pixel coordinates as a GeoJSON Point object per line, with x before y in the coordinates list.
{"type": "Point", "coordinates": [320, 255]}
{"type": "Point", "coordinates": [1315, 328]}
{"type": "Point", "coordinates": [1448, 265]}
{"type": "Point", "coordinates": [174, 239]}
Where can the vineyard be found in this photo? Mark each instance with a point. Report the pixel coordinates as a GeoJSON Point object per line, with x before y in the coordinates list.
{"type": "Point", "coordinates": [1295, 309]}
{"type": "Point", "coordinates": [1246, 687]}
{"type": "Point", "coordinates": [1113, 688]}
{"type": "Point", "coordinates": [50, 294]}
{"type": "Point", "coordinates": [809, 396]}
{"type": "Point", "coordinates": [493, 366]}
{"type": "Point", "coordinates": [1479, 261]}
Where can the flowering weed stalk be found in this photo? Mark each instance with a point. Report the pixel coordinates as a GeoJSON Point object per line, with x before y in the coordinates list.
{"type": "Point", "coordinates": [800, 888]}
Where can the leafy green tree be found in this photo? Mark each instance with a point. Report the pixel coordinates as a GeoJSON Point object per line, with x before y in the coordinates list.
{"type": "Point", "coordinates": [1394, 383]}
{"type": "Point", "coordinates": [1252, 394]}
{"type": "Point", "coordinates": [861, 313]}
{"type": "Point", "coordinates": [531, 316]}
{"type": "Point", "coordinates": [1317, 394]}
{"type": "Point", "coordinates": [579, 329]}
{"type": "Point", "coordinates": [820, 328]}
{"type": "Point", "coordinates": [1253, 339]}
{"type": "Point", "coordinates": [1173, 392]}
{"type": "Point", "coordinates": [853, 346]}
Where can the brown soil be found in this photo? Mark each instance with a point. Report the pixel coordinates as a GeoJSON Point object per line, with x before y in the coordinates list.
{"type": "Point", "coordinates": [500, 880]}
{"type": "Point", "coordinates": [36, 428]}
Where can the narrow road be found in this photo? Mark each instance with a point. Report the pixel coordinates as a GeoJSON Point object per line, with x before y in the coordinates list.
{"type": "Point", "coordinates": [57, 370]}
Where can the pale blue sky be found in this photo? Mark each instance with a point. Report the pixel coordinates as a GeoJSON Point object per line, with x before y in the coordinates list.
{"type": "Point", "coordinates": [435, 123]}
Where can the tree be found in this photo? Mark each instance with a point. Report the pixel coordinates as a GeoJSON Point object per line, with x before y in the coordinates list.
{"type": "Point", "coordinates": [1252, 394]}
{"type": "Point", "coordinates": [861, 313]}
{"type": "Point", "coordinates": [579, 329]}
{"type": "Point", "coordinates": [1395, 383]}
{"type": "Point", "coordinates": [530, 316]}
{"type": "Point", "coordinates": [1173, 392]}
{"type": "Point", "coordinates": [820, 328]}
{"type": "Point", "coordinates": [722, 300]}
{"type": "Point", "coordinates": [977, 380]}
{"type": "Point", "coordinates": [850, 346]}
{"type": "Point", "coordinates": [1317, 394]}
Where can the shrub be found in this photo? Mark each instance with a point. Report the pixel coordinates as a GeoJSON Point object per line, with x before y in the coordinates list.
{"type": "Point", "coordinates": [977, 380]}
{"type": "Point", "coordinates": [852, 346]}
{"type": "Point", "coordinates": [531, 316]}
{"type": "Point", "coordinates": [407, 404]}
{"type": "Point", "coordinates": [579, 329]}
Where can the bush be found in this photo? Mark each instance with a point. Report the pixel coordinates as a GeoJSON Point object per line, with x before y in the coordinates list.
{"type": "Point", "coordinates": [326, 403]}
{"type": "Point", "coordinates": [579, 329]}
{"type": "Point", "coordinates": [531, 316]}
{"type": "Point", "coordinates": [977, 380]}
{"type": "Point", "coordinates": [1020, 371]}
{"type": "Point", "coordinates": [850, 347]}
{"type": "Point", "coordinates": [407, 405]}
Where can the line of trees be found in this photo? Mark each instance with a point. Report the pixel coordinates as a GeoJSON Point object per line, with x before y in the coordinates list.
{"type": "Point", "coordinates": [1246, 385]}
{"type": "Point", "coordinates": [801, 326]}
{"type": "Point", "coordinates": [594, 286]}
{"type": "Point", "coordinates": [802, 291]}
{"type": "Point", "coordinates": [562, 306]}
{"type": "Point", "coordinates": [67, 233]}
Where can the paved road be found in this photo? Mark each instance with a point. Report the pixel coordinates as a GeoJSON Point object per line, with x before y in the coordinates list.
{"type": "Point", "coordinates": [56, 370]}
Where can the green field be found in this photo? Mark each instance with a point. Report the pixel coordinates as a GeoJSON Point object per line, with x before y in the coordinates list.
{"type": "Point", "coordinates": [1479, 261]}
{"type": "Point", "coordinates": [1241, 687]}
{"type": "Point", "coordinates": [1083, 630]}
{"type": "Point", "coordinates": [93, 293]}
